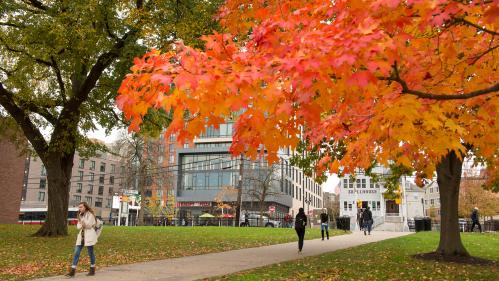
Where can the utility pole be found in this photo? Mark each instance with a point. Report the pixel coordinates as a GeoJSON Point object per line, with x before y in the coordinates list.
{"type": "Point", "coordinates": [239, 192]}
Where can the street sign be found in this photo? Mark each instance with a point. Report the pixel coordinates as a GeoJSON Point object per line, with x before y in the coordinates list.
{"type": "Point", "coordinates": [116, 202]}
{"type": "Point", "coordinates": [272, 209]}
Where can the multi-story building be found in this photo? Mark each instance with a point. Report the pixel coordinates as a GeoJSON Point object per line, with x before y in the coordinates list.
{"type": "Point", "coordinates": [206, 173]}
{"type": "Point", "coordinates": [362, 191]}
{"type": "Point", "coordinates": [94, 180]}
{"type": "Point", "coordinates": [432, 201]}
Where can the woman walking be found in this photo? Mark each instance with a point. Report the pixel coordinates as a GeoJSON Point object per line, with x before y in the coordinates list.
{"type": "Point", "coordinates": [86, 237]}
{"type": "Point", "coordinates": [300, 223]}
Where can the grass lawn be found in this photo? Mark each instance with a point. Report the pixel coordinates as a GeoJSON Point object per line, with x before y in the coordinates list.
{"type": "Point", "coordinates": [386, 260]}
{"type": "Point", "coordinates": [23, 257]}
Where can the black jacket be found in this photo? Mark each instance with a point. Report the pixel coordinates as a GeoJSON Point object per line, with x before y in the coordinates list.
{"type": "Point", "coordinates": [367, 216]}
{"type": "Point", "coordinates": [324, 218]}
{"type": "Point", "coordinates": [300, 220]}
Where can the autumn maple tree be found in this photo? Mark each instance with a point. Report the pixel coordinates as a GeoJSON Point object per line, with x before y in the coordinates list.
{"type": "Point", "coordinates": [412, 83]}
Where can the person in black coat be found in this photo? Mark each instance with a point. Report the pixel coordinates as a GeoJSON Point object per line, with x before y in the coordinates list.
{"type": "Point", "coordinates": [300, 223]}
{"type": "Point", "coordinates": [367, 219]}
{"type": "Point", "coordinates": [475, 219]}
{"type": "Point", "coordinates": [324, 224]}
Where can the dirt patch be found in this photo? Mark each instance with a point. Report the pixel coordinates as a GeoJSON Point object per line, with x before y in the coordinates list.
{"type": "Point", "coordinates": [433, 256]}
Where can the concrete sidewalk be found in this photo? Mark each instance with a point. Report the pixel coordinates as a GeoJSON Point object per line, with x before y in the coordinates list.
{"type": "Point", "coordinates": [217, 264]}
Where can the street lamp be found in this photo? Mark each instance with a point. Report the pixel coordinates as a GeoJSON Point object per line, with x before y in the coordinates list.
{"type": "Point", "coordinates": [307, 199]}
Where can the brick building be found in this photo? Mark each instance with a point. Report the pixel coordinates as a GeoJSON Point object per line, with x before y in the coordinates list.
{"type": "Point", "coordinates": [94, 180]}
{"type": "Point", "coordinates": [11, 180]}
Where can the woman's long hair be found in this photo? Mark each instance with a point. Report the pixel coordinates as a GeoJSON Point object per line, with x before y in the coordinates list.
{"type": "Point", "coordinates": [87, 209]}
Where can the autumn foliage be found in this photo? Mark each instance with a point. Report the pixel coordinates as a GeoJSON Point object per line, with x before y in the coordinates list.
{"type": "Point", "coordinates": [394, 80]}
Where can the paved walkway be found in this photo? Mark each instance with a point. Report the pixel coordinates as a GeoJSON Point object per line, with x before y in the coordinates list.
{"type": "Point", "coordinates": [217, 264]}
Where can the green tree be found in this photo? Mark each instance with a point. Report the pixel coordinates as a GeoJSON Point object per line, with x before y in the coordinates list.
{"type": "Point", "coordinates": [61, 63]}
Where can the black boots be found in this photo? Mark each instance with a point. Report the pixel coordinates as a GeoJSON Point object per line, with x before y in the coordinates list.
{"type": "Point", "coordinates": [327, 234]}
{"type": "Point", "coordinates": [91, 272]}
{"type": "Point", "coordinates": [71, 272]}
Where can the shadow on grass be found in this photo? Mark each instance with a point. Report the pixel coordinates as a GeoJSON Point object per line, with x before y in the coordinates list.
{"type": "Point", "coordinates": [434, 256]}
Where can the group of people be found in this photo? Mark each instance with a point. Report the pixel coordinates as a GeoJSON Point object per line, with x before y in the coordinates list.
{"type": "Point", "coordinates": [301, 221]}
{"type": "Point", "coordinates": [90, 228]}
{"type": "Point", "coordinates": [365, 220]}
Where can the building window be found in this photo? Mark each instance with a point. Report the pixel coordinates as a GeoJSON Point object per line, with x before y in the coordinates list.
{"type": "Point", "coordinates": [349, 206]}
{"type": "Point", "coordinates": [81, 164]}
{"type": "Point", "coordinates": [76, 199]}
{"type": "Point", "coordinates": [92, 176]}
{"type": "Point", "coordinates": [79, 187]}
{"type": "Point", "coordinates": [345, 205]}
{"type": "Point", "coordinates": [102, 167]}
{"type": "Point", "coordinates": [90, 189]}
{"type": "Point", "coordinates": [88, 199]}
{"type": "Point", "coordinates": [43, 170]}
{"type": "Point", "coordinates": [101, 179]}
{"type": "Point", "coordinates": [98, 202]}
{"type": "Point", "coordinates": [350, 183]}
{"type": "Point", "coordinates": [171, 147]}
{"type": "Point", "coordinates": [431, 189]}
{"type": "Point", "coordinates": [172, 137]}
{"type": "Point", "coordinates": [113, 168]}
{"type": "Point", "coordinates": [378, 204]}
{"type": "Point", "coordinates": [110, 190]}
{"type": "Point", "coordinates": [357, 183]}
{"type": "Point", "coordinates": [41, 196]}
{"type": "Point", "coordinates": [364, 183]}
{"type": "Point", "coordinates": [80, 175]}
{"type": "Point", "coordinates": [43, 183]}
{"type": "Point", "coordinates": [160, 159]}
{"type": "Point", "coordinates": [432, 202]}
{"type": "Point", "coordinates": [371, 183]}
{"type": "Point", "coordinates": [122, 170]}
{"type": "Point", "coordinates": [101, 190]}
{"type": "Point", "coordinates": [111, 180]}
{"type": "Point", "coordinates": [92, 165]}
{"type": "Point", "coordinates": [108, 204]}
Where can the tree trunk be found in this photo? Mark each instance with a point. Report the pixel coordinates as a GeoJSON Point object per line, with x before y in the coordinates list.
{"type": "Point", "coordinates": [59, 167]}
{"type": "Point", "coordinates": [449, 179]}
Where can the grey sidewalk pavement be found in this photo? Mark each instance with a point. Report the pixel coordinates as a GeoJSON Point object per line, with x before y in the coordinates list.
{"type": "Point", "coordinates": [217, 264]}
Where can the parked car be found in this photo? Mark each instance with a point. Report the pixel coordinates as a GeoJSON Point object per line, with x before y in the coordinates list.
{"type": "Point", "coordinates": [255, 219]}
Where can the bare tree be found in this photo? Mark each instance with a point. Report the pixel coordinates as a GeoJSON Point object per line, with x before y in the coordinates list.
{"type": "Point", "coordinates": [145, 170]}
{"type": "Point", "coordinates": [263, 182]}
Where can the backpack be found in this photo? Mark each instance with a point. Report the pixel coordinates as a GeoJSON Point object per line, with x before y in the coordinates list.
{"type": "Point", "coordinates": [300, 222]}
{"type": "Point", "coordinates": [99, 224]}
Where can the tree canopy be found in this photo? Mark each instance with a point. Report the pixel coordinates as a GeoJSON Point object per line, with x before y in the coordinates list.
{"type": "Point", "coordinates": [407, 81]}
{"type": "Point", "coordinates": [61, 63]}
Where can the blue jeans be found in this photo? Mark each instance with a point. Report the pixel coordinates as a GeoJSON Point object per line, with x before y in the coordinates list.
{"type": "Point", "coordinates": [324, 227]}
{"type": "Point", "coordinates": [368, 226]}
{"type": "Point", "coordinates": [77, 253]}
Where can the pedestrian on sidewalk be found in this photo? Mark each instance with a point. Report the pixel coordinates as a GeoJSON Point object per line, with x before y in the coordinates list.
{"type": "Point", "coordinates": [359, 218]}
{"type": "Point", "coordinates": [86, 237]}
{"type": "Point", "coordinates": [324, 224]}
{"type": "Point", "coordinates": [367, 218]}
{"type": "Point", "coordinates": [300, 224]}
{"type": "Point", "coordinates": [475, 219]}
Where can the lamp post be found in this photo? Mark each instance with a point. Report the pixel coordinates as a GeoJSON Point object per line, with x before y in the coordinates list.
{"type": "Point", "coordinates": [308, 200]}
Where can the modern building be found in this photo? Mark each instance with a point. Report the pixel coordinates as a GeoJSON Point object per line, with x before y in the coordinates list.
{"type": "Point", "coordinates": [206, 174]}
{"type": "Point", "coordinates": [362, 191]}
{"type": "Point", "coordinates": [94, 180]}
{"type": "Point", "coordinates": [11, 179]}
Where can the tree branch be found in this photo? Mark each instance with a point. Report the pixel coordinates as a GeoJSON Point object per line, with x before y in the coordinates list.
{"type": "Point", "coordinates": [466, 22]}
{"type": "Point", "coordinates": [38, 110]}
{"type": "Point", "coordinates": [59, 77]}
{"type": "Point", "coordinates": [38, 60]}
{"type": "Point", "coordinates": [31, 132]}
{"type": "Point", "coordinates": [405, 89]}
{"type": "Point", "coordinates": [37, 4]}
